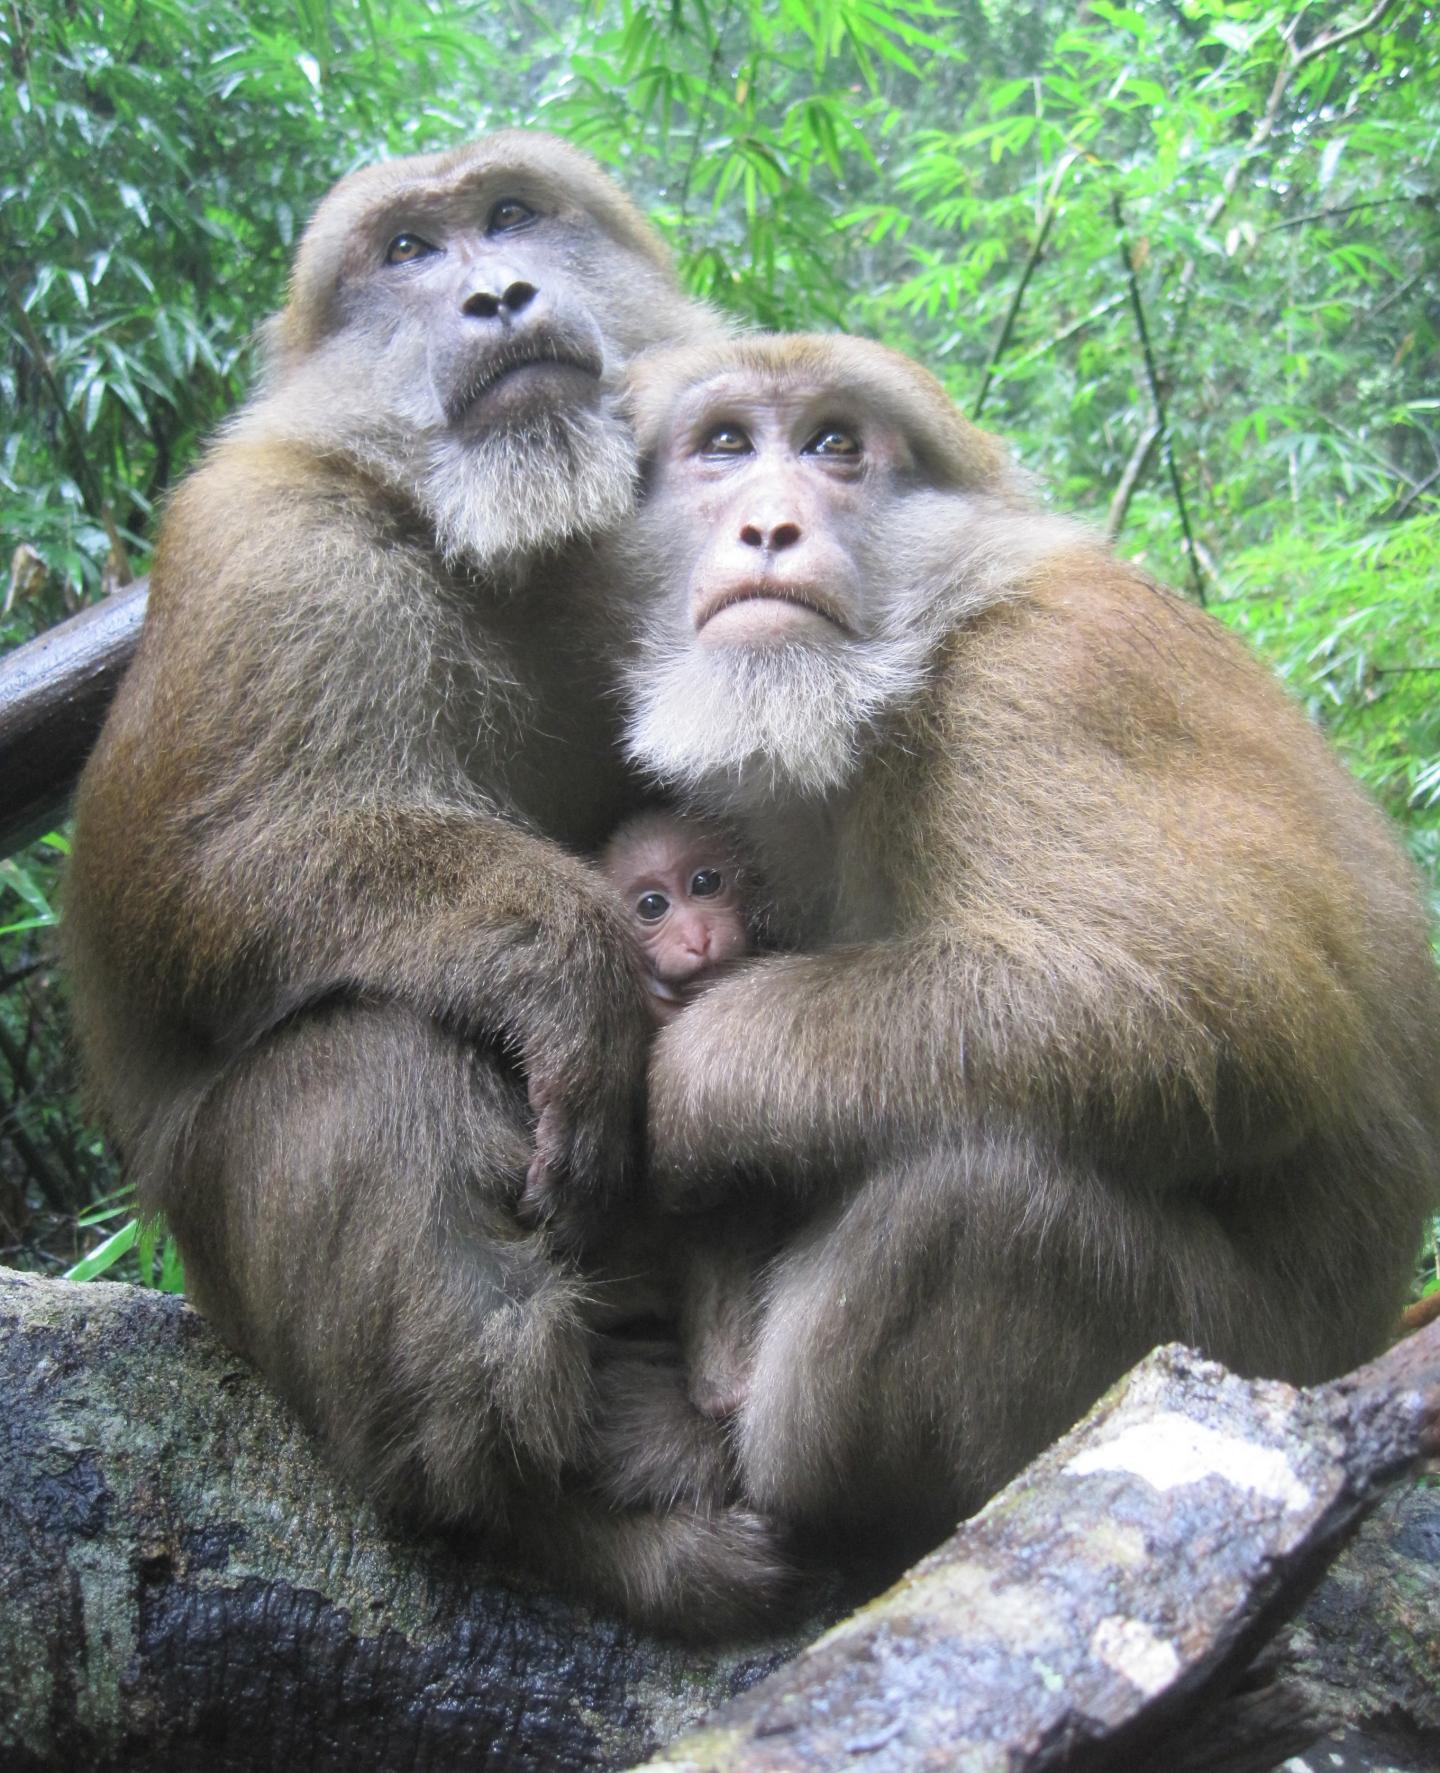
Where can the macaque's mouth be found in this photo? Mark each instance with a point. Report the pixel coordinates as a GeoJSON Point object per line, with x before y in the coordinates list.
{"type": "Point", "coordinates": [687, 990]}
{"type": "Point", "coordinates": [513, 366]}
{"type": "Point", "coordinates": [770, 607]}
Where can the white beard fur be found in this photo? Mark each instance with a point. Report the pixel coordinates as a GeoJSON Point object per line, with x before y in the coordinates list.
{"type": "Point", "coordinates": [526, 489]}
{"type": "Point", "coordinates": [743, 724]}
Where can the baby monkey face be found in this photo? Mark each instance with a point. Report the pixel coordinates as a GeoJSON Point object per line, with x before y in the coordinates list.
{"type": "Point", "coordinates": [680, 883]}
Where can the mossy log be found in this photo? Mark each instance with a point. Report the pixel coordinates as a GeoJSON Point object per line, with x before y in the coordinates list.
{"type": "Point", "coordinates": [186, 1586]}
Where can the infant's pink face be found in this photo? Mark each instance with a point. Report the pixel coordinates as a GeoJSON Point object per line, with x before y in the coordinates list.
{"type": "Point", "coordinates": [678, 881]}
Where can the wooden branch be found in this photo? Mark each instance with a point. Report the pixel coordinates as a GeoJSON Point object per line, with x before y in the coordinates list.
{"type": "Point", "coordinates": [1110, 1595]}
{"type": "Point", "coordinates": [1017, 298]}
{"type": "Point", "coordinates": [1333, 39]}
{"type": "Point", "coordinates": [185, 1585]}
{"type": "Point", "coordinates": [1130, 479]}
{"type": "Point", "coordinates": [54, 692]}
{"type": "Point", "coordinates": [1423, 1311]}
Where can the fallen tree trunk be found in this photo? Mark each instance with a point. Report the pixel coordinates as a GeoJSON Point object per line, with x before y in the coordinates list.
{"type": "Point", "coordinates": [54, 694]}
{"type": "Point", "coordinates": [186, 1585]}
{"type": "Point", "coordinates": [1095, 1611]}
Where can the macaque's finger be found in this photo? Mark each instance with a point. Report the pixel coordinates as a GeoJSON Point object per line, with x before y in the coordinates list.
{"type": "Point", "coordinates": [540, 1195]}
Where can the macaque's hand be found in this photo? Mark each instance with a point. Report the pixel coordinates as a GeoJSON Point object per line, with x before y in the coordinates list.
{"type": "Point", "coordinates": [582, 1028]}
{"type": "Point", "coordinates": [540, 1194]}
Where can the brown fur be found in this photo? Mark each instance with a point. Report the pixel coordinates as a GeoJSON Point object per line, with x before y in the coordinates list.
{"type": "Point", "coordinates": [339, 986]}
{"type": "Point", "coordinates": [1115, 1020]}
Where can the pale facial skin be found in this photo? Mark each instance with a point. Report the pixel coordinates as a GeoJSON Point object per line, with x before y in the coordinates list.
{"type": "Point", "coordinates": [682, 895]}
{"type": "Point", "coordinates": [774, 518]}
{"type": "Point", "coordinates": [781, 483]}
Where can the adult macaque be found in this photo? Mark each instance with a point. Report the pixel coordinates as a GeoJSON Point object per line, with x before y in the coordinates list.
{"type": "Point", "coordinates": [1115, 1019]}
{"type": "Point", "coordinates": [338, 986]}
{"type": "Point", "coordinates": [682, 887]}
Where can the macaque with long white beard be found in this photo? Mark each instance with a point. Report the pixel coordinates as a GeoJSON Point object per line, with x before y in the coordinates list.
{"type": "Point", "coordinates": [1109, 1016]}
{"type": "Point", "coordinates": [350, 1002]}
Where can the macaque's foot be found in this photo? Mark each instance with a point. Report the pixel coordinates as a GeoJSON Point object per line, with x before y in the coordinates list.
{"type": "Point", "coordinates": [718, 1396]}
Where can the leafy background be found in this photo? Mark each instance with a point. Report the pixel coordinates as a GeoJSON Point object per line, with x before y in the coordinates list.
{"type": "Point", "coordinates": [1183, 254]}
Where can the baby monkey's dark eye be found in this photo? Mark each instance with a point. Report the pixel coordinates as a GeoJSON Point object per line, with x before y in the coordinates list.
{"type": "Point", "coordinates": [705, 883]}
{"type": "Point", "coordinates": [651, 907]}
{"type": "Point", "coordinates": [508, 214]}
{"type": "Point", "coordinates": [404, 249]}
{"type": "Point", "coordinates": [833, 440]}
{"type": "Point", "coordinates": [725, 440]}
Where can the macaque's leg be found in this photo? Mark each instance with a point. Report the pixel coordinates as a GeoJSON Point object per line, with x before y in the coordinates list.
{"type": "Point", "coordinates": [653, 1447]}
{"type": "Point", "coordinates": [723, 1259]}
{"type": "Point", "coordinates": [923, 1340]}
{"type": "Point", "coordinates": [364, 1248]}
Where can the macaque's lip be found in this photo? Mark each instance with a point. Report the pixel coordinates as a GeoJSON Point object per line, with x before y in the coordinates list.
{"type": "Point", "coordinates": [687, 990]}
{"type": "Point", "coordinates": [538, 353]}
{"type": "Point", "coordinates": [804, 597]}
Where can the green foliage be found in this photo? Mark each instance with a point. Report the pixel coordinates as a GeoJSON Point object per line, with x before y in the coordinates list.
{"type": "Point", "coordinates": [1006, 190]}
{"type": "Point", "coordinates": [154, 1259]}
{"type": "Point", "coordinates": [1364, 660]}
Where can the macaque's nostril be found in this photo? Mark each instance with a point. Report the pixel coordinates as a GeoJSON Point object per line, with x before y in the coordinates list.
{"type": "Point", "coordinates": [780, 535]}
{"type": "Point", "coordinates": [484, 304]}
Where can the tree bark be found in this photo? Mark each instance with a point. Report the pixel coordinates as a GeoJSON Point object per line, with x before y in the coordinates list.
{"type": "Point", "coordinates": [186, 1586]}
{"type": "Point", "coordinates": [54, 693]}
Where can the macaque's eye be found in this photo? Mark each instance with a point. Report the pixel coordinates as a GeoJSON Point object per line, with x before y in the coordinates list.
{"type": "Point", "coordinates": [725, 440]}
{"type": "Point", "coordinates": [404, 249]}
{"type": "Point", "coordinates": [705, 883]}
{"type": "Point", "coordinates": [651, 907]}
{"type": "Point", "coordinates": [833, 440]}
{"type": "Point", "coordinates": [508, 215]}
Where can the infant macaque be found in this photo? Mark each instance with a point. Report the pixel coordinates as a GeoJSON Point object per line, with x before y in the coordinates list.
{"type": "Point", "coordinates": [681, 884]}
{"type": "Point", "coordinates": [684, 889]}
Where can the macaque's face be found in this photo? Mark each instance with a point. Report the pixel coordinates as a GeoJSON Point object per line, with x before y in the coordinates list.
{"type": "Point", "coordinates": [459, 324]}
{"type": "Point", "coordinates": [775, 624]}
{"type": "Point", "coordinates": [786, 490]}
{"type": "Point", "coordinates": [681, 891]}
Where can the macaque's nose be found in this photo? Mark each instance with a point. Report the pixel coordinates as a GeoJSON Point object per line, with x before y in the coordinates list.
{"type": "Point", "coordinates": [772, 537]}
{"type": "Point", "coordinates": [484, 304]}
{"type": "Point", "coordinates": [696, 938]}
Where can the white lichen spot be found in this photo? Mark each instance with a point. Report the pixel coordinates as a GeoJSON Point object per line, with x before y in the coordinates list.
{"type": "Point", "coordinates": [1135, 1653]}
{"type": "Point", "coordinates": [1018, 1614]}
{"type": "Point", "coordinates": [1171, 1450]}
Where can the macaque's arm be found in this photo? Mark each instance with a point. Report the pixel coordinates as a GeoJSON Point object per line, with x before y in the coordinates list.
{"type": "Point", "coordinates": [806, 1067]}
{"type": "Point", "coordinates": [279, 812]}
